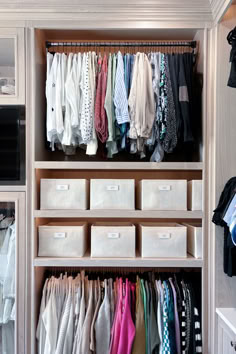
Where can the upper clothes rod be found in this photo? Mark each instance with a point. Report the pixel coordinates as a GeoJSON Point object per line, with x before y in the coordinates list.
{"type": "Point", "coordinates": [191, 44]}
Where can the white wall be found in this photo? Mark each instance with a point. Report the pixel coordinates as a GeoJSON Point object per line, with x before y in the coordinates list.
{"type": "Point", "coordinates": [225, 152]}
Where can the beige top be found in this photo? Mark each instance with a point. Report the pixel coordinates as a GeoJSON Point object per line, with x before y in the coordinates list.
{"type": "Point", "coordinates": [141, 98]}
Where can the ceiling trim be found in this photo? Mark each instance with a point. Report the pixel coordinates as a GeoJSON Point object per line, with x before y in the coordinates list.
{"type": "Point", "coordinates": [219, 7]}
{"type": "Point", "coordinates": [157, 11]}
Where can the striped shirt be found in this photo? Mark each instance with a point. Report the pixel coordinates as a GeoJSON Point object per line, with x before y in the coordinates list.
{"type": "Point", "coordinates": [120, 96]}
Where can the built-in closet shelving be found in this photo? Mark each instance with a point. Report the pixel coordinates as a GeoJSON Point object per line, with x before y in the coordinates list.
{"type": "Point", "coordinates": [46, 165]}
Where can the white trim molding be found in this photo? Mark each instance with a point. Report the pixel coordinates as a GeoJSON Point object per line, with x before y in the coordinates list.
{"type": "Point", "coordinates": [185, 12]}
{"type": "Point", "coordinates": [219, 7]}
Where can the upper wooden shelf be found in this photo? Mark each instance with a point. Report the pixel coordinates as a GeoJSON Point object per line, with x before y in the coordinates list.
{"type": "Point", "coordinates": [107, 165]}
{"type": "Point", "coordinates": [124, 214]}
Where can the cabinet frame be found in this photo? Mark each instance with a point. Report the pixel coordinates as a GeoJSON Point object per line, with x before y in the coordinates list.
{"type": "Point", "coordinates": [18, 198]}
{"type": "Point", "coordinates": [17, 34]}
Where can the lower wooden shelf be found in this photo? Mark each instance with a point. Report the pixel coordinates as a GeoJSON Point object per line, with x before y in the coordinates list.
{"type": "Point", "coordinates": [124, 214]}
{"type": "Point", "coordinates": [87, 261]}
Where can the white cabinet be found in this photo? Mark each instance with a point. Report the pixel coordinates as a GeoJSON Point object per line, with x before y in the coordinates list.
{"type": "Point", "coordinates": [12, 272]}
{"type": "Point", "coordinates": [12, 66]}
{"type": "Point", "coordinates": [226, 331]}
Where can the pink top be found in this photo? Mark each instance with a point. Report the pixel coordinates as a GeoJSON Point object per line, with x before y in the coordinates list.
{"type": "Point", "coordinates": [116, 327]}
{"type": "Point", "coordinates": [127, 332]}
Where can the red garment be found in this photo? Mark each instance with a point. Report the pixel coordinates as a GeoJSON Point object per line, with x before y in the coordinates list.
{"type": "Point", "coordinates": [100, 117]}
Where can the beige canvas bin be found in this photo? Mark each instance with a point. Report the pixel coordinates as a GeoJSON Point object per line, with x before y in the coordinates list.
{"type": "Point", "coordinates": [62, 239]}
{"type": "Point", "coordinates": [162, 194]}
{"type": "Point", "coordinates": [113, 240]}
{"type": "Point", "coordinates": [194, 239]}
{"type": "Point", "coordinates": [112, 194]}
{"type": "Point", "coordinates": [162, 240]}
{"type": "Point", "coordinates": [195, 195]}
{"type": "Point", "coordinates": [64, 194]}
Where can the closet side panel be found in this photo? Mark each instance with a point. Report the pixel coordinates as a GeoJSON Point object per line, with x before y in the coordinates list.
{"type": "Point", "coordinates": [39, 98]}
{"type": "Point", "coordinates": [225, 161]}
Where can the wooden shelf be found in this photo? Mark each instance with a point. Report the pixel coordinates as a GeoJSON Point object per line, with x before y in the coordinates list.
{"type": "Point", "coordinates": [107, 165]}
{"type": "Point", "coordinates": [12, 188]}
{"type": "Point", "coordinates": [125, 214]}
{"type": "Point", "coordinates": [87, 261]}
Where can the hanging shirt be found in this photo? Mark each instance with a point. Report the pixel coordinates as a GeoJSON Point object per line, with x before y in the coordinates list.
{"type": "Point", "coordinates": [163, 101]}
{"type": "Point", "coordinates": [166, 336]}
{"type": "Point", "coordinates": [41, 332]}
{"type": "Point", "coordinates": [50, 322]}
{"type": "Point", "coordinates": [170, 138]}
{"type": "Point", "coordinates": [103, 324]}
{"type": "Point", "coordinates": [127, 332]}
{"type": "Point", "coordinates": [139, 345]}
{"type": "Point", "coordinates": [98, 298]}
{"type": "Point", "coordinates": [154, 139]}
{"type": "Point", "coordinates": [86, 123]}
{"type": "Point", "coordinates": [141, 99]}
{"type": "Point", "coordinates": [101, 124]}
{"type": "Point", "coordinates": [68, 135]}
{"type": "Point", "coordinates": [120, 97]}
{"type": "Point", "coordinates": [58, 103]}
{"type": "Point", "coordinates": [110, 109]}
{"type": "Point", "coordinates": [177, 326]}
{"type": "Point", "coordinates": [184, 100]}
{"type": "Point", "coordinates": [52, 64]}
{"type": "Point", "coordinates": [71, 91]}
{"type": "Point", "coordinates": [92, 145]}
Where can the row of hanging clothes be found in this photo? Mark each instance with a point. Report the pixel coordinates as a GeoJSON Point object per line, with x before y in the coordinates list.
{"type": "Point", "coordinates": [7, 281]}
{"type": "Point", "coordinates": [139, 103]}
{"type": "Point", "coordinates": [108, 314]}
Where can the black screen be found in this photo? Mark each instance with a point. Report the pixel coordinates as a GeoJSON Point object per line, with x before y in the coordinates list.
{"type": "Point", "coordinates": [10, 143]}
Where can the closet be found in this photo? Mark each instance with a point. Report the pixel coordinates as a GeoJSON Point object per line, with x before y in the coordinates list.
{"type": "Point", "coordinates": [186, 164]}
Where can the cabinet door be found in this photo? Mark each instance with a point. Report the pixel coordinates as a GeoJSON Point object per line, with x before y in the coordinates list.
{"type": "Point", "coordinates": [12, 272]}
{"type": "Point", "coordinates": [12, 66]}
{"type": "Point", "coordinates": [226, 339]}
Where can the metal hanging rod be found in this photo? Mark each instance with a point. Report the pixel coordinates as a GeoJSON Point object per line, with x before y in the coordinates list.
{"type": "Point", "coordinates": [191, 44]}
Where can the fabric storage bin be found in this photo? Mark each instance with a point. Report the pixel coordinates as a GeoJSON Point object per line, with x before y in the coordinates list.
{"type": "Point", "coordinates": [194, 239]}
{"type": "Point", "coordinates": [112, 194]}
{"type": "Point", "coordinates": [159, 194]}
{"type": "Point", "coordinates": [162, 240]}
{"type": "Point", "coordinates": [195, 195]}
{"type": "Point", "coordinates": [113, 240]}
{"type": "Point", "coordinates": [64, 194]}
{"type": "Point", "coordinates": [62, 239]}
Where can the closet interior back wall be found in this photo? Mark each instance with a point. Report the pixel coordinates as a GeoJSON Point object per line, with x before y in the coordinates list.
{"type": "Point", "coordinates": [190, 153]}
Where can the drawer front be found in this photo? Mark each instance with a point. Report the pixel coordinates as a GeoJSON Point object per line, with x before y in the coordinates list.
{"type": "Point", "coordinates": [112, 194]}
{"type": "Point", "coordinates": [195, 195]}
{"type": "Point", "coordinates": [114, 242]}
{"type": "Point", "coordinates": [226, 339]}
{"type": "Point", "coordinates": [62, 241]}
{"type": "Point", "coordinates": [64, 194]}
{"type": "Point", "coordinates": [164, 195]}
{"type": "Point", "coordinates": [163, 242]}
